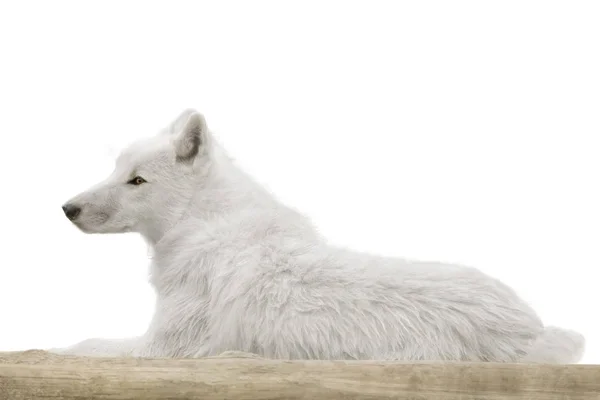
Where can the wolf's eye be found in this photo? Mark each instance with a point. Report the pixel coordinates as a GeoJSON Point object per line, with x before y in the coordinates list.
{"type": "Point", "coordinates": [138, 180]}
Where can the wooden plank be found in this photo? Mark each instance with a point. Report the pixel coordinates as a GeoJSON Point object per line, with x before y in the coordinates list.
{"type": "Point", "coordinates": [37, 374]}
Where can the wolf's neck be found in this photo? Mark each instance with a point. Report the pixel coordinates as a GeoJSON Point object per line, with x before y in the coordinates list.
{"type": "Point", "coordinates": [227, 215]}
{"type": "Point", "coordinates": [225, 191]}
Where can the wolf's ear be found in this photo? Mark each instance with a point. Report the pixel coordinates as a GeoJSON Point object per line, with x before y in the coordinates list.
{"type": "Point", "coordinates": [192, 136]}
{"type": "Point", "coordinates": [178, 123]}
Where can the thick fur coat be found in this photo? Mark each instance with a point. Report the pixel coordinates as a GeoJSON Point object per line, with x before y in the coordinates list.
{"type": "Point", "coordinates": [236, 270]}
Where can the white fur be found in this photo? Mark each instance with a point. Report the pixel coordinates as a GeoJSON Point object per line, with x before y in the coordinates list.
{"type": "Point", "coordinates": [236, 270]}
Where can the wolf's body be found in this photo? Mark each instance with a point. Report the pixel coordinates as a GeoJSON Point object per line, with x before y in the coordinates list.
{"type": "Point", "coordinates": [234, 269]}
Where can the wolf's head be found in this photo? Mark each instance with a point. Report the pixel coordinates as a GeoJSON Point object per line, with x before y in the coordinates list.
{"type": "Point", "coordinates": [152, 184]}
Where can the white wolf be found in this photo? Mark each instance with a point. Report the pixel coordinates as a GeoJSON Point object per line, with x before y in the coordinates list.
{"type": "Point", "coordinates": [236, 270]}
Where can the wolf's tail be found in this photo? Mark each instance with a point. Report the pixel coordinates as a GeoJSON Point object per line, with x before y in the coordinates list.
{"type": "Point", "coordinates": [556, 346]}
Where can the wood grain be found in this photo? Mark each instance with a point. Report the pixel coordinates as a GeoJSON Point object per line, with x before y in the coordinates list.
{"type": "Point", "coordinates": [37, 374]}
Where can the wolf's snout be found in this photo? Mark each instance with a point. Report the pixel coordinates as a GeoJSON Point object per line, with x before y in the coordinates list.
{"type": "Point", "coordinates": [71, 211]}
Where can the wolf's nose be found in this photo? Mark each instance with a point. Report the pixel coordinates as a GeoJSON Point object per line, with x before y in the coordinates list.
{"type": "Point", "coordinates": [71, 211]}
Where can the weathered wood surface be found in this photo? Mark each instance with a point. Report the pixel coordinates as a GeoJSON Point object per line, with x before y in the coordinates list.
{"type": "Point", "coordinates": [39, 375]}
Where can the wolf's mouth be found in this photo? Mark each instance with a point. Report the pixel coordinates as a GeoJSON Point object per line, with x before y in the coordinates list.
{"type": "Point", "coordinates": [90, 223]}
{"type": "Point", "coordinates": [99, 218]}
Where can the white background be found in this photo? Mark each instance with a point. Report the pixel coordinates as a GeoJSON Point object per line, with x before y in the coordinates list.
{"type": "Point", "coordinates": [459, 131]}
